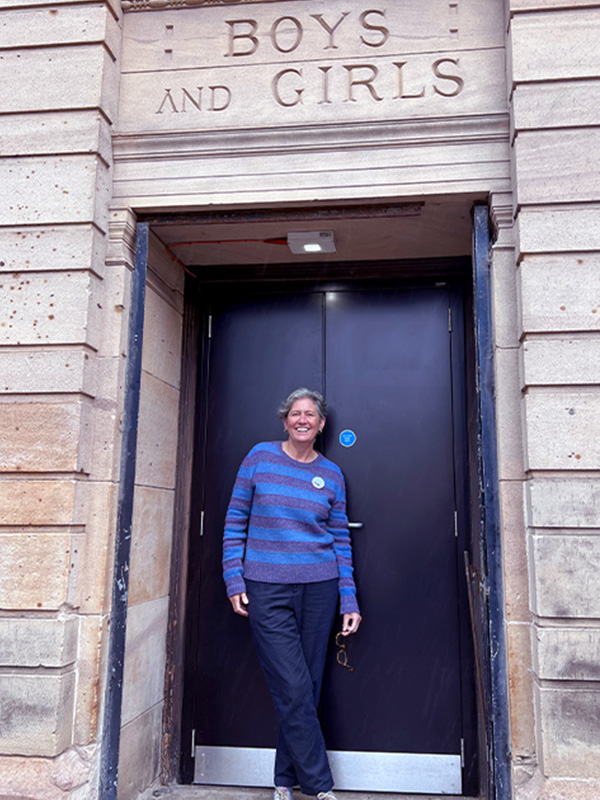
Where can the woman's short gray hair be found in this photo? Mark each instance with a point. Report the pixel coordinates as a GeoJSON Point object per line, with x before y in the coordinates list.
{"type": "Point", "coordinates": [303, 394]}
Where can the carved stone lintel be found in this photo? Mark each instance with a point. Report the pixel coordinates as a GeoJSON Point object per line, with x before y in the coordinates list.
{"type": "Point", "coordinates": [160, 5]}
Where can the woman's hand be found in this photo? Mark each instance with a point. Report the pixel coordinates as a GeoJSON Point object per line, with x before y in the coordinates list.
{"type": "Point", "coordinates": [239, 603]}
{"type": "Point", "coordinates": [350, 623]}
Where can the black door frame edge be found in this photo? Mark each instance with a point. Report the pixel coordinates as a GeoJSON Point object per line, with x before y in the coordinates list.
{"type": "Point", "coordinates": [113, 696]}
{"type": "Point", "coordinates": [498, 720]}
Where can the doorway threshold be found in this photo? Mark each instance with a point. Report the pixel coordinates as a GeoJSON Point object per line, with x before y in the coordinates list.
{"type": "Point", "coordinates": [181, 792]}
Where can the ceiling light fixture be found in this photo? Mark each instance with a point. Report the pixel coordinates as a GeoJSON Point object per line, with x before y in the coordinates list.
{"type": "Point", "coordinates": [301, 242]}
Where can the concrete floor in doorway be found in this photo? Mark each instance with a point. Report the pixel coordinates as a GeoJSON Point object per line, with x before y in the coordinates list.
{"type": "Point", "coordinates": [177, 792]}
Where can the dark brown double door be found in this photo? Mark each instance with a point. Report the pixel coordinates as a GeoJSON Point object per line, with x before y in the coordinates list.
{"type": "Point", "coordinates": [391, 363]}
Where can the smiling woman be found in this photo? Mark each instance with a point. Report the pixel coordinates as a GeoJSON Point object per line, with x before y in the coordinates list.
{"type": "Point", "coordinates": [286, 556]}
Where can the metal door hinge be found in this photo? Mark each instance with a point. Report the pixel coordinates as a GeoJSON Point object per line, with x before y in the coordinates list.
{"type": "Point", "coordinates": [456, 523]}
{"type": "Point", "coordinates": [449, 319]}
{"type": "Point", "coordinates": [210, 326]}
{"type": "Point", "coordinates": [462, 753]}
{"type": "Point", "coordinates": [202, 523]}
{"type": "Point", "coordinates": [193, 742]}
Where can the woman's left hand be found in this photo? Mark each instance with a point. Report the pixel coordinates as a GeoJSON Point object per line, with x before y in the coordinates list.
{"type": "Point", "coordinates": [350, 623]}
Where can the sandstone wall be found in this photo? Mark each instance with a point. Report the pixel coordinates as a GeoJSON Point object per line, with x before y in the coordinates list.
{"type": "Point", "coordinates": [61, 366]}
{"type": "Point", "coordinates": [554, 638]}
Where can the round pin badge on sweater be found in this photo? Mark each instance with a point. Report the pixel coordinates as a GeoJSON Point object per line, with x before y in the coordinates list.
{"type": "Point", "coordinates": [318, 482]}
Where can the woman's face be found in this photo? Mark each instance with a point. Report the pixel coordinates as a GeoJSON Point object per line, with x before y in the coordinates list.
{"type": "Point", "coordinates": [303, 423]}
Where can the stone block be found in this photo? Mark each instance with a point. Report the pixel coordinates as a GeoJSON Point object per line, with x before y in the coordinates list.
{"type": "Point", "coordinates": [568, 721]}
{"type": "Point", "coordinates": [509, 410]}
{"type": "Point", "coordinates": [567, 654]}
{"type": "Point", "coordinates": [145, 654]}
{"type": "Point", "coordinates": [60, 189]}
{"type": "Point", "coordinates": [36, 713]}
{"type": "Point", "coordinates": [27, 778]}
{"type": "Point", "coordinates": [505, 299]}
{"type": "Point", "coordinates": [561, 361]}
{"type": "Point", "coordinates": [92, 587]}
{"type": "Point", "coordinates": [34, 570]}
{"type": "Point", "coordinates": [49, 249]}
{"type": "Point", "coordinates": [92, 629]}
{"type": "Point", "coordinates": [113, 323]}
{"type": "Point", "coordinates": [48, 371]}
{"type": "Point", "coordinates": [574, 53]}
{"type": "Point", "coordinates": [514, 551]}
{"type": "Point", "coordinates": [44, 437]}
{"type": "Point", "coordinates": [157, 433]}
{"type": "Point", "coordinates": [562, 430]}
{"type": "Point", "coordinates": [557, 166]}
{"type": "Point", "coordinates": [560, 293]}
{"type": "Point", "coordinates": [565, 572]}
{"type": "Point", "coordinates": [30, 642]}
{"type": "Point", "coordinates": [564, 502]}
{"type": "Point", "coordinates": [56, 133]}
{"type": "Point", "coordinates": [152, 532]}
{"type": "Point", "coordinates": [42, 79]}
{"type": "Point", "coordinates": [105, 421]}
{"type": "Point", "coordinates": [522, 718]}
{"type": "Point", "coordinates": [161, 354]}
{"type": "Point", "coordinates": [164, 275]}
{"type": "Point", "coordinates": [49, 308]}
{"type": "Point", "coordinates": [139, 754]}
{"type": "Point", "coordinates": [566, 230]}
{"type": "Point", "coordinates": [37, 502]}
{"type": "Point", "coordinates": [558, 104]}
{"type": "Point", "coordinates": [42, 27]}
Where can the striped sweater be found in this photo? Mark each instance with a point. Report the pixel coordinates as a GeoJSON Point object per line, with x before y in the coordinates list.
{"type": "Point", "coordinates": [286, 523]}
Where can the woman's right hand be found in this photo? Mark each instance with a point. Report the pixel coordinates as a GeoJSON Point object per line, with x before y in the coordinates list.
{"type": "Point", "coordinates": [239, 603]}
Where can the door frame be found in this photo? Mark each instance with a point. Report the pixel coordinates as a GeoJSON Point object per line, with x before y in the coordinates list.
{"type": "Point", "coordinates": [490, 608]}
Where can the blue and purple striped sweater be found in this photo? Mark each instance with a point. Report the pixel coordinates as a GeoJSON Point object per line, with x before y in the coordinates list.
{"type": "Point", "coordinates": [287, 523]}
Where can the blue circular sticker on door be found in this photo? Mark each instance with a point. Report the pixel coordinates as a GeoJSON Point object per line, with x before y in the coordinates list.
{"type": "Point", "coordinates": [347, 438]}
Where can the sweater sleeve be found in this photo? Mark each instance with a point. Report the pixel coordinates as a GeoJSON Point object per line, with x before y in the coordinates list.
{"type": "Point", "coordinates": [337, 525]}
{"type": "Point", "coordinates": [236, 528]}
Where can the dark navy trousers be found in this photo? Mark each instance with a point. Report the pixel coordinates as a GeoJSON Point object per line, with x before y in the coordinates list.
{"type": "Point", "coordinates": [290, 625]}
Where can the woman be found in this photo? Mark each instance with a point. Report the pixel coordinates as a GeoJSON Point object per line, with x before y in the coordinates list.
{"type": "Point", "coordinates": [286, 557]}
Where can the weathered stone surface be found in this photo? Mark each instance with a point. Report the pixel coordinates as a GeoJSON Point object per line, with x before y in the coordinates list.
{"type": "Point", "coordinates": [538, 787]}
{"type": "Point", "coordinates": [92, 585]}
{"type": "Point", "coordinates": [46, 248]}
{"type": "Point", "coordinates": [152, 533]}
{"type": "Point", "coordinates": [43, 437]}
{"type": "Point", "coordinates": [157, 433]}
{"type": "Point", "coordinates": [558, 230]}
{"type": "Point", "coordinates": [145, 653]}
{"type": "Point", "coordinates": [34, 570]}
{"type": "Point", "coordinates": [560, 293]}
{"type": "Point", "coordinates": [558, 166]}
{"type": "Point", "coordinates": [509, 410]}
{"type": "Point", "coordinates": [113, 324]}
{"type": "Point", "coordinates": [564, 502]}
{"type": "Point", "coordinates": [522, 720]}
{"type": "Point", "coordinates": [30, 642]}
{"type": "Point", "coordinates": [161, 355]}
{"type": "Point", "coordinates": [558, 430]}
{"type": "Point", "coordinates": [36, 713]}
{"type": "Point", "coordinates": [561, 361]}
{"type": "Point", "coordinates": [574, 53]}
{"type": "Point", "coordinates": [505, 300]}
{"type": "Point", "coordinates": [45, 778]}
{"type": "Point", "coordinates": [565, 573]}
{"type": "Point", "coordinates": [514, 551]}
{"type": "Point", "coordinates": [47, 190]}
{"type": "Point", "coordinates": [139, 754]}
{"type": "Point", "coordinates": [37, 502]}
{"type": "Point", "coordinates": [571, 654]}
{"type": "Point", "coordinates": [556, 104]}
{"type": "Point", "coordinates": [568, 722]}
{"type": "Point", "coordinates": [48, 371]}
{"type": "Point", "coordinates": [46, 308]}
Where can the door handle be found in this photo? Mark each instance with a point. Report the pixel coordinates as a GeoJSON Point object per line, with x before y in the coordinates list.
{"type": "Point", "coordinates": [355, 524]}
